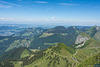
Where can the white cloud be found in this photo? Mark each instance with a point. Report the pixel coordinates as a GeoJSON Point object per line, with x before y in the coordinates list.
{"type": "Point", "coordinates": [52, 17]}
{"type": "Point", "coordinates": [40, 2]}
{"type": "Point", "coordinates": [6, 19]}
{"type": "Point", "coordinates": [5, 6]}
{"type": "Point", "coordinates": [67, 4]}
{"type": "Point", "coordinates": [30, 19]}
{"type": "Point", "coordinates": [62, 20]}
{"type": "Point", "coordinates": [9, 3]}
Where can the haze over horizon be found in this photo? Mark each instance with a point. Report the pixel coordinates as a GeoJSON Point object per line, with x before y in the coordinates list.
{"type": "Point", "coordinates": [69, 12]}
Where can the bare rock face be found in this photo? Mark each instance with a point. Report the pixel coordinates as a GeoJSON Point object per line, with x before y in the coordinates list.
{"type": "Point", "coordinates": [97, 28]}
{"type": "Point", "coordinates": [81, 40]}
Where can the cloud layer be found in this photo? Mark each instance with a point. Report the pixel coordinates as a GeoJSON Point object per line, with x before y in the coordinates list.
{"type": "Point", "coordinates": [40, 2]}
{"type": "Point", "coordinates": [5, 6]}
{"type": "Point", "coordinates": [67, 4]}
{"type": "Point", "coordinates": [4, 2]}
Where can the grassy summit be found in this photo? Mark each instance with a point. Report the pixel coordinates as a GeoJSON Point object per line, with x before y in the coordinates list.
{"type": "Point", "coordinates": [58, 55]}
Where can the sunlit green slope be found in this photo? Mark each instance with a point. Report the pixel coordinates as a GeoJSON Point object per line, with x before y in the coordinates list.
{"type": "Point", "coordinates": [55, 56]}
{"type": "Point", "coordinates": [16, 54]}
{"type": "Point", "coordinates": [91, 62]}
{"type": "Point", "coordinates": [90, 48]}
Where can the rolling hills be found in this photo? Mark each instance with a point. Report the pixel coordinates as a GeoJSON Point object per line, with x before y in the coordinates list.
{"type": "Point", "coordinates": [54, 56]}
{"type": "Point", "coordinates": [57, 55]}
{"type": "Point", "coordinates": [38, 38]}
{"type": "Point", "coordinates": [54, 47]}
{"type": "Point", "coordinates": [16, 54]}
{"type": "Point", "coordinates": [86, 47]}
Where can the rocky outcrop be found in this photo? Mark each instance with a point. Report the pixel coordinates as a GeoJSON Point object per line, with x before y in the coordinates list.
{"type": "Point", "coordinates": [80, 40]}
{"type": "Point", "coordinates": [97, 28]}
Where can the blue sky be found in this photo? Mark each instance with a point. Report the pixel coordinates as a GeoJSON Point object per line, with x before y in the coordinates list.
{"type": "Point", "coordinates": [72, 12]}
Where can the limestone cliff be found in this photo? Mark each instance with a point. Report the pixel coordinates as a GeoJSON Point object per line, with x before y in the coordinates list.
{"type": "Point", "coordinates": [81, 39]}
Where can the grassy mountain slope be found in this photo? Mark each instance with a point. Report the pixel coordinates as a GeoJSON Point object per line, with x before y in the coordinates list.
{"type": "Point", "coordinates": [55, 35]}
{"type": "Point", "coordinates": [90, 62]}
{"type": "Point", "coordinates": [58, 55]}
{"type": "Point", "coordinates": [90, 48]}
{"type": "Point", "coordinates": [16, 54]}
{"type": "Point", "coordinates": [8, 43]}
{"type": "Point", "coordinates": [55, 56]}
{"type": "Point", "coordinates": [91, 32]}
{"type": "Point", "coordinates": [97, 36]}
{"type": "Point", "coordinates": [24, 42]}
{"type": "Point", "coordinates": [5, 43]}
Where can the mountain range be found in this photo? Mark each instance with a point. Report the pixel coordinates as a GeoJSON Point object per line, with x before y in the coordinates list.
{"type": "Point", "coordinates": [55, 47]}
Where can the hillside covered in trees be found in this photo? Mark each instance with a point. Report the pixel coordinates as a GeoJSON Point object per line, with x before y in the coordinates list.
{"type": "Point", "coordinates": [59, 46]}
